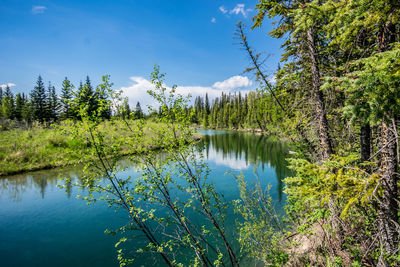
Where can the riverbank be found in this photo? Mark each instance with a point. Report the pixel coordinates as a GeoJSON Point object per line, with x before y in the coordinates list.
{"type": "Point", "coordinates": [39, 148]}
{"type": "Point", "coordinates": [272, 132]}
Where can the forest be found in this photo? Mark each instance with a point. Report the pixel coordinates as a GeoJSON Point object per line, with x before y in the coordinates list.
{"type": "Point", "coordinates": [45, 106]}
{"type": "Point", "coordinates": [250, 111]}
{"type": "Point", "coordinates": [336, 98]}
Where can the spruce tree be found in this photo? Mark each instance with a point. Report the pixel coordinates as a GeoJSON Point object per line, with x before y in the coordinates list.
{"type": "Point", "coordinates": [8, 108]}
{"type": "Point", "coordinates": [371, 84]}
{"type": "Point", "coordinates": [86, 98]}
{"type": "Point", "coordinates": [305, 52]}
{"type": "Point", "coordinates": [27, 110]}
{"type": "Point", "coordinates": [55, 105]}
{"type": "Point", "coordinates": [51, 104]}
{"type": "Point", "coordinates": [138, 111]}
{"type": "Point", "coordinates": [207, 105]}
{"type": "Point", "coordinates": [39, 100]}
{"type": "Point", "coordinates": [19, 105]}
{"type": "Point", "coordinates": [66, 98]}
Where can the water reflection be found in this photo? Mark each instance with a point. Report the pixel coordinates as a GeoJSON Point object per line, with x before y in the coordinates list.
{"type": "Point", "coordinates": [40, 226]}
{"type": "Point", "coordinates": [14, 187]}
{"type": "Point", "coordinates": [239, 151]}
{"type": "Point", "coordinates": [232, 150]}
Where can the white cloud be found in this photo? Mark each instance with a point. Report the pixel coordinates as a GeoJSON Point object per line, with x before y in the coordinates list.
{"type": "Point", "coordinates": [240, 9]}
{"type": "Point", "coordinates": [38, 9]}
{"type": "Point", "coordinates": [233, 82]}
{"type": "Point", "coordinates": [213, 20]}
{"type": "Point", "coordinates": [2, 86]}
{"type": "Point", "coordinates": [223, 9]}
{"type": "Point", "coordinates": [229, 160]}
{"type": "Point", "coordinates": [138, 91]}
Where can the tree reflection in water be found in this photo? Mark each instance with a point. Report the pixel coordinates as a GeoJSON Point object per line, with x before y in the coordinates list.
{"type": "Point", "coordinates": [254, 149]}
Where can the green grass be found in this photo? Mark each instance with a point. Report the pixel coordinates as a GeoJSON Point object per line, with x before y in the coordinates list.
{"type": "Point", "coordinates": [42, 148]}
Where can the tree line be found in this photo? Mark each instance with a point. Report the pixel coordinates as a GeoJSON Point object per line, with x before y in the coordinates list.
{"type": "Point", "coordinates": [253, 110]}
{"type": "Point", "coordinates": [43, 104]}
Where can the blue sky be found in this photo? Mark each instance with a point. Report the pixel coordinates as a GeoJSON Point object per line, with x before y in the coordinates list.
{"type": "Point", "coordinates": [192, 41]}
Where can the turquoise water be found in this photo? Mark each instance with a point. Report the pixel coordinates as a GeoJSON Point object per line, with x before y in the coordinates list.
{"type": "Point", "coordinates": [42, 225]}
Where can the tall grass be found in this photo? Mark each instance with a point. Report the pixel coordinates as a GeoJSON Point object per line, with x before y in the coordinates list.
{"type": "Point", "coordinates": [47, 147]}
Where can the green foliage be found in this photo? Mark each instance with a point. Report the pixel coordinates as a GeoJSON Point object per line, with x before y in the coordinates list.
{"type": "Point", "coordinates": [261, 231]}
{"type": "Point", "coordinates": [372, 88]}
{"type": "Point", "coordinates": [337, 179]}
{"type": "Point", "coordinates": [354, 47]}
{"type": "Point", "coordinates": [172, 182]}
{"type": "Point", "coordinates": [348, 50]}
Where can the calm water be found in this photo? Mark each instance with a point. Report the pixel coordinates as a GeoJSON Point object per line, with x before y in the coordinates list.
{"type": "Point", "coordinates": [42, 225]}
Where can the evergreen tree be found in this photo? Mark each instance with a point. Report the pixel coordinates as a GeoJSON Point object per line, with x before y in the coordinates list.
{"type": "Point", "coordinates": [341, 57]}
{"type": "Point", "coordinates": [27, 110]}
{"type": "Point", "coordinates": [55, 104]}
{"type": "Point", "coordinates": [8, 108]}
{"type": "Point", "coordinates": [7, 92]}
{"type": "Point", "coordinates": [205, 119]}
{"type": "Point", "coordinates": [370, 83]}
{"type": "Point", "coordinates": [138, 111]}
{"type": "Point", "coordinates": [66, 98]}
{"type": "Point", "coordinates": [39, 100]}
{"type": "Point", "coordinates": [52, 104]}
{"type": "Point", "coordinates": [307, 49]}
{"type": "Point", "coordinates": [85, 97]}
{"type": "Point", "coordinates": [19, 105]}
{"type": "Point", "coordinates": [207, 105]}
{"type": "Point", "coordinates": [127, 109]}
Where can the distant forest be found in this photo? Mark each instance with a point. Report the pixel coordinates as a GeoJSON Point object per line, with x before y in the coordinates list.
{"type": "Point", "coordinates": [43, 105]}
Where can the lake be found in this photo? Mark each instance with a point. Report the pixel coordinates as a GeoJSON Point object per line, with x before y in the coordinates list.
{"type": "Point", "coordinates": [42, 225]}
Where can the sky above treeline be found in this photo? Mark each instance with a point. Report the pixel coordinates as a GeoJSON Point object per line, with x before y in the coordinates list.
{"type": "Point", "coordinates": [192, 42]}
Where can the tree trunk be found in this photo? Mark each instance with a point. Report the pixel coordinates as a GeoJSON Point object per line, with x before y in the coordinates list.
{"type": "Point", "coordinates": [365, 142]}
{"type": "Point", "coordinates": [322, 122]}
{"type": "Point", "coordinates": [388, 208]}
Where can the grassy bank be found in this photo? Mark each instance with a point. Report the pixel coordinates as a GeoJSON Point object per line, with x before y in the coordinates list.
{"type": "Point", "coordinates": [42, 148]}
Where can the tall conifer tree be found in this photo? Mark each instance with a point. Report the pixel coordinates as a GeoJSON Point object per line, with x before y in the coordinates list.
{"type": "Point", "coordinates": [39, 100]}
{"type": "Point", "coordinates": [8, 108]}
{"type": "Point", "coordinates": [66, 98]}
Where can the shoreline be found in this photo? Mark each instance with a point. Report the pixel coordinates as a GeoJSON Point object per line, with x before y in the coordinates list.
{"type": "Point", "coordinates": [50, 165]}
{"type": "Point", "coordinates": [71, 163]}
